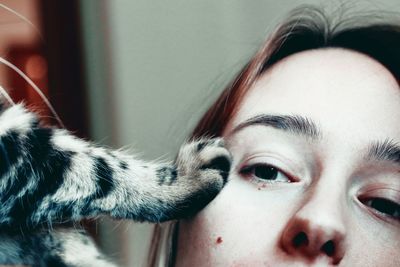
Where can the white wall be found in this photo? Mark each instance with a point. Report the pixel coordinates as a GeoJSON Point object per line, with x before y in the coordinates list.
{"type": "Point", "coordinates": [160, 66]}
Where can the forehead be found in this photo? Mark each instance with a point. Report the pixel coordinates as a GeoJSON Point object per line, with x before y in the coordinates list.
{"type": "Point", "coordinates": [338, 88]}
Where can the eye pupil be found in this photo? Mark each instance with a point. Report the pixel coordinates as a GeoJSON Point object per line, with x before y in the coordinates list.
{"type": "Point", "coordinates": [265, 172]}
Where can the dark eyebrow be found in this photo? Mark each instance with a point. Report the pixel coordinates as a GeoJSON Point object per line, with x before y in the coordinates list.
{"type": "Point", "coordinates": [291, 123]}
{"type": "Point", "coordinates": [387, 150]}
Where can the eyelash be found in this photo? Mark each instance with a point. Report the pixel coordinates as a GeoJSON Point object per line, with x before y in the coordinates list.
{"type": "Point", "coordinates": [255, 171]}
{"type": "Point", "coordinates": [382, 207]}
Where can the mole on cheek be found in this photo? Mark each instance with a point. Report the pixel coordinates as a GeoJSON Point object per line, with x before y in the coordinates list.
{"type": "Point", "coordinates": [219, 240]}
{"type": "Point", "coordinates": [262, 186]}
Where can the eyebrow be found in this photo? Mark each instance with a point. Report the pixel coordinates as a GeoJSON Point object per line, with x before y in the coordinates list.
{"type": "Point", "coordinates": [387, 150]}
{"type": "Point", "coordinates": [295, 124]}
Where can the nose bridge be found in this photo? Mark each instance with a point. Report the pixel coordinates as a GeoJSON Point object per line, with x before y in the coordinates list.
{"type": "Point", "coordinates": [322, 206]}
{"type": "Point", "coordinates": [317, 227]}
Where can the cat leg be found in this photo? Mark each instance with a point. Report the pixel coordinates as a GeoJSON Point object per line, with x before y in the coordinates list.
{"type": "Point", "coordinates": [49, 176]}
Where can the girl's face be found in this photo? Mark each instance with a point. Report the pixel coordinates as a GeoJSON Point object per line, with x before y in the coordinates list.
{"type": "Point", "coordinates": [316, 172]}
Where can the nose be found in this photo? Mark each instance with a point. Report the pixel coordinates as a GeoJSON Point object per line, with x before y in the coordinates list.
{"type": "Point", "coordinates": [316, 230]}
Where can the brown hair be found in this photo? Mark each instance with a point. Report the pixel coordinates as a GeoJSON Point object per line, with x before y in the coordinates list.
{"type": "Point", "coordinates": [308, 28]}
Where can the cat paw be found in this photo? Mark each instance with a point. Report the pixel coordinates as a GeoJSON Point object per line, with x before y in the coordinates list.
{"type": "Point", "coordinates": [203, 168]}
{"type": "Point", "coordinates": [205, 159]}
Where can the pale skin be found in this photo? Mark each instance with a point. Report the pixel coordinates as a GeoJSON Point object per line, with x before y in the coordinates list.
{"type": "Point", "coordinates": [327, 198]}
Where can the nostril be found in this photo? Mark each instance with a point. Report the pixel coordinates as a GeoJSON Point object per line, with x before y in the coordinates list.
{"type": "Point", "coordinates": [328, 248]}
{"type": "Point", "coordinates": [300, 239]}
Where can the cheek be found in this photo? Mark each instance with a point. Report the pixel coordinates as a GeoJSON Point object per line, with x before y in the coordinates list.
{"type": "Point", "coordinates": [243, 224]}
{"type": "Point", "coordinates": [366, 252]}
{"type": "Point", "coordinates": [372, 243]}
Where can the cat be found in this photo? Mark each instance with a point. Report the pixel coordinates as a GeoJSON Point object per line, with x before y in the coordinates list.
{"type": "Point", "coordinates": [48, 176]}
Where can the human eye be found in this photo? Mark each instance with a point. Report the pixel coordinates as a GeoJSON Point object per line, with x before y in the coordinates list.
{"type": "Point", "coordinates": [265, 172]}
{"type": "Point", "coordinates": [268, 169]}
{"type": "Point", "coordinates": [383, 202]}
{"type": "Point", "coordinates": [383, 207]}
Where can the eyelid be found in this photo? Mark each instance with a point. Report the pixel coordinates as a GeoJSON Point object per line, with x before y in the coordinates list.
{"type": "Point", "coordinates": [384, 192]}
{"type": "Point", "coordinates": [278, 162]}
{"type": "Point", "coordinates": [376, 213]}
{"type": "Point", "coordinates": [249, 173]}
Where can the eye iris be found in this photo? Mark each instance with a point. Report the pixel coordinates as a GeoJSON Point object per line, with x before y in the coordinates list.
{"type": "Point", "coordinates": [266, 172]}
{"type": "Point", "coordinates": [385, 206]}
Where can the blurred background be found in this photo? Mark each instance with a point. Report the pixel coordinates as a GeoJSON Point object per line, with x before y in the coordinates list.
{"type": "Point", "coordinates": [135, 73]}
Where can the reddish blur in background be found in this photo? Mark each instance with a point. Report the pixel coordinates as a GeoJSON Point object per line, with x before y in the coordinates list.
{"type": "Point", "coordinates": [47, 48]}
{"type": "Point", "coordinates": [43, 40]}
